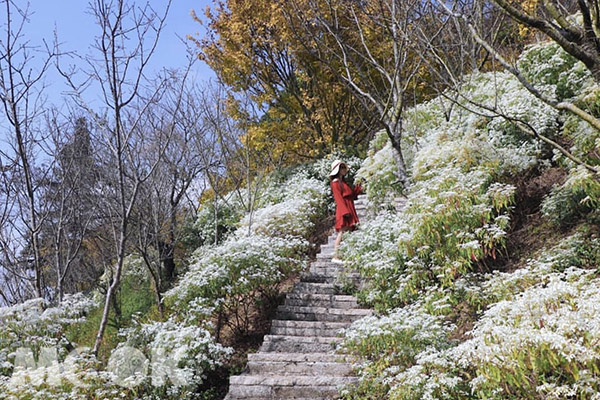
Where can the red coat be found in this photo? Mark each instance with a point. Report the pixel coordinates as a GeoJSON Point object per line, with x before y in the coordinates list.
{"type": "Point", "coordinates": [344, 196]}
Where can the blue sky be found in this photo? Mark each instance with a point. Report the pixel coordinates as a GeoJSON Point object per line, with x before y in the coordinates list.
{"type": "Point", "coordinates": [76, 31]}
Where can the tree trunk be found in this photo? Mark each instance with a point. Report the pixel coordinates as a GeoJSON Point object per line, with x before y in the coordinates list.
{"type": "Point", "coordinates": [33, 223]}
{"type": "Point", "coordinates": [59, 274]}
{"type": "Point", "coordinates": [167, 254]}
{"type": "Point", "coordinates": [112, 289]}
{"type": "Point", "coordinates": [394, 129]}
{"type": "Point", "coordinates": [216, 215]}
{"type": "Point", "coordinates": [159, 303]}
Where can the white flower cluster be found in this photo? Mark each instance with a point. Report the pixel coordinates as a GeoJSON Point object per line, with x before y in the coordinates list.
{"type": "Point", "coordinates": [256, 259]}
{"type": "Point", "coordinates": [265, 249]}
{"type": "Point", "coordinates": [229, 211]}
{"type": "Point", "coordinates": [386, 346]}
{"type": "Point", "coordinates": [240, 265]}
{"type": "Point", "coordinates": [26, 323]}
{"type": "Point", "coordinates": [463, 144]}
{"type": "Point", "coordinates": [546, 64]}
{"type": "Point", "coordinates": [373, 251]}
{"type": "Point", "coordinates": [181, 351]}
{"type": "Point", "coordinates": [303, 198]}
{"type": "Point", "coordinates": [431, 378]}
{"type": "Point", "coordinates": [551, 328]}
{"type": "Point", "coordinates": [32, 328]}
{"type": "Point", "coordinates": [379, 172]}
{"type": "Point", "coordinates": [410, 320]}
{"type": "Point", "coordinates": [542, 325]}
{"type": "Point", "coordinates": [452, 217]}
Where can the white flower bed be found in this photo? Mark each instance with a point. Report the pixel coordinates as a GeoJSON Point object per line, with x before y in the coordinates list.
{"type": "Point", "coordinates": [29, 329]}
{"type": "Point", "coordinates": [303, 199]}
{"type": "Point", "coordinates": [238, 266]}
{"type": "Point", "coordinates": [180, 351]}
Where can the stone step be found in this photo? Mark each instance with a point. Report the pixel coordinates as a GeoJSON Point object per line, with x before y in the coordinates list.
{"type": "Point", "coordinates": [317, 278]}
{"type": "Point", "coordinates": [299, 344]}
{"type": "Point", "coordinates": [326, 263]}
{"type": "Point", "coordinates": [287, 387]}
{"type": "Point", "coordinates": [340, 298]}
{"type": "Point", "coordinates": [297, 381]}
{"type": "Point", "coordinates": [321, 313]}
{"type": "Point", "coordinates": [314, 287]}
{"type": "Point", "coordinates": [327, 248]}
{"type": "Point", "coordinates": [303, 339]}
{"type": "Point", "coordinates": [324, 256]}
{"type": "Point", "coordinates": [326, 310]}
{"type": "Point", "coordinates": [335, 270]}
{"type": "Point", "coordinates": [306, 368]}
{"type": "Point", "coordinates": [296, 357]}
{"type": "Point", "coordinates": [310, 277]}
{"type": "Point", "coordinates": [321, 303]}
{"type": "Point", "coordinates": [260, 392]}
{"type": "Point", "coordinates": [320, 300]}
{"type": "Point", "coordinates": [305, 332]}
{"type": "Point", "coordinates": [307, 328]}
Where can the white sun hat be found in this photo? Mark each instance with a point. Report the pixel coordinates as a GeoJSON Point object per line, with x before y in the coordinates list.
{"type": "Point", "coordinates": [335, 167]}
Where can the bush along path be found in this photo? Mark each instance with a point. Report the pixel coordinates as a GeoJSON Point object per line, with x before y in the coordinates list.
{"type": "Point", "coordinates": [298, 360]}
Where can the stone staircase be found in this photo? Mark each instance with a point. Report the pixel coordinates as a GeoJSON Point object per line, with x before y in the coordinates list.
{"type": "Point", "coordinates": [298, 360]}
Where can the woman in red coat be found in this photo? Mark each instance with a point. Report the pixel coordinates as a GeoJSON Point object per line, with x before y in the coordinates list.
{"type": "Point", "coordinates": [344, 196]}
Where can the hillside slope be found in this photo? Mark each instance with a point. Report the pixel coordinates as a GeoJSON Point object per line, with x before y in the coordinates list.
{"type": "Point", "coordinates": [487, 284]}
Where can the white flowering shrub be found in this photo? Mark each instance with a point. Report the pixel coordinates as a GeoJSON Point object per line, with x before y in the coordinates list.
{"type": "Point", "coordinates": [180, 354]}
{"type": "Point", "coordinates": [34, 325]}
{"type": "Point", "coordinates": [422, 119]}
{"type": "Point", "coordinates": [389, 344]}
{"type": "Point", "coordinates": [456, 214]}
{"type": "Point", "coordinates": [78, 376]}
{"type": "Point", "coordinates": [266, 248]}
{"type": "Point", "coordinates": [537, 337]}
{"type": "Point", "coordinates": [453, 218]}
{"type": "Point", "coordinates": [302, 203]}
{"type": "Point", "coordinates": [503, 92]}
{"type": "Point", "coordinates": [577, 197]}
{"type": "Point", "coordinates": [482, 290]}
{"type": "Point", "coordinates": [228, 214]}
{"type": "Point", "coordinates": [373, 251]}
{"type": "Point", "coordinates": [542, 342]}
{"type": "Point", "coordinates": [585, 138]}
{"type": "Point", "coordinates": [36, 357]}
{"type": "Point", "coordinates": [548, 64]}
{"type": "Point", "coordinates": [534, 329]}
{"type": "Point", "coordinates": [434, 376]}
{"type": "Point", "coordinates": [237, 273]}
{"type": "Point", "coordinates": [379, 173]}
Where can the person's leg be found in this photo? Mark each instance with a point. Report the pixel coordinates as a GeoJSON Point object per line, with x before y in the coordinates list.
{"type": "Point", "coordinates": [338, 239]}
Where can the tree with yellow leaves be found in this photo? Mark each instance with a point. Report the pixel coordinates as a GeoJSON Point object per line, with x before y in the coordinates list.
{"type": "Point", "coordinates": [306, 110]}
